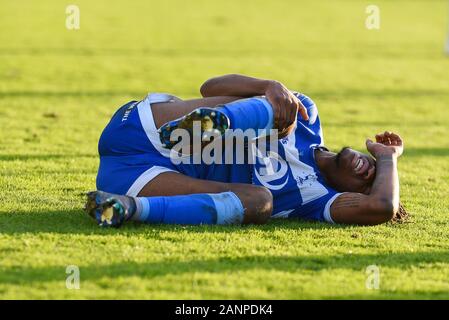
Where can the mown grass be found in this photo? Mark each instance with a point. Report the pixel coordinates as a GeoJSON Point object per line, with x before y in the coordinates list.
{"type": "Point", "coordinates": [58, 89]}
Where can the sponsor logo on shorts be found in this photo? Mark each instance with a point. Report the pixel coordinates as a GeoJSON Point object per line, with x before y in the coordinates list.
{"type": "Point", "coordinates": [128, 111]}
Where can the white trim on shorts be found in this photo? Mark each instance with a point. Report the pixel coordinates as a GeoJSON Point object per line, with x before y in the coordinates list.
{"type": "Point", "coordinates": [149, 126]}
{"type": "Point", "coordinates": [144, 178]}
{"type": "Point", "coordinates": [147, 120]}
{"type": "Point", "coordinates": [327, 208]}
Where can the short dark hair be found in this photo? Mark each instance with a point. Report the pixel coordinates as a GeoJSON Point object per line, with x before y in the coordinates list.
{"type": "Point", "coordinates": [401, 216]}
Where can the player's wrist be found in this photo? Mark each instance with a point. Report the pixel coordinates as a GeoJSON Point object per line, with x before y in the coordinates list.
{"type": "Point", "coordinates": [386, 156]}
{"type": "Point", "coordinates": [270, 85]}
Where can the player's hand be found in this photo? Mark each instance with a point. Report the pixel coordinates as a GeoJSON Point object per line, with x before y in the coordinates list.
{"type": "Point", "coordinates": [285, 106]}
{"type": "Point", "coordinates": [387, 143]}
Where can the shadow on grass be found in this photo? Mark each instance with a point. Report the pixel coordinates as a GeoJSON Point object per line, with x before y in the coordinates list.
{"type": "Point", "coordinates": [424, 152]}
{"type": "Point", "coordinates": [395, 294]}
{"type": "Point", "coordinates": [66, 94]}
{"type": "Point", "coordinates": [150, 270]}
{"type": "Point", "coordinates": [28, 157]}
{"type": "Point", "coordinates": [377, 124]}
{"type": "Point", "coordinates": [78, 222]}
{"type": "Point", "coordinates": [383, 93]}
{"type": "Point", "coordinates": [352, 94]}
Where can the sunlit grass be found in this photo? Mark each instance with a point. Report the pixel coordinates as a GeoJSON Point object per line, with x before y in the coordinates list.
{"type": "Point", "coordinates": [58, 89]}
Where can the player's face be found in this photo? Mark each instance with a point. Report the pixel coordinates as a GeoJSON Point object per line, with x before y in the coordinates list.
{"type": "Point", "coordinates": [356, 171]}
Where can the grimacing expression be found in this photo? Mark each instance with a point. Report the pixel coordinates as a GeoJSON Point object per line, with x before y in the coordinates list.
{"type": "Point", "coordinates": [355, 171]}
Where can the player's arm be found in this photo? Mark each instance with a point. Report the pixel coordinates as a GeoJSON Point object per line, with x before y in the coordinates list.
{"type": "Point", "coordinates": [285, 104]}
{"type": "Point", "coordinates": [382, 203]}
{"type": "Point", "coordinates": [235, 85]}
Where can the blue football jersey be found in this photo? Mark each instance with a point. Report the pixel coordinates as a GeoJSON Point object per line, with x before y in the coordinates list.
{"type": "Point", "coordinates": [131, 155]}
{"type": "Point", "coordinates": [292, 176]}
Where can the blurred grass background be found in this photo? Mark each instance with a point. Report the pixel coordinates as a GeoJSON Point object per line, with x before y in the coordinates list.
{"type": "Point", "coordinates": [59, 87]}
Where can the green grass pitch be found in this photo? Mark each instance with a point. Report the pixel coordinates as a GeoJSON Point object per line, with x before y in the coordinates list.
{"type": "Point", "coordinates": [59, 87]}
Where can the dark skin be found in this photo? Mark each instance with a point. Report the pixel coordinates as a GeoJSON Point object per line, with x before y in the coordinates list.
{"type": "Point", "coordinates": [370, 184]}
{"type": "Point", "coordinates": [348, 170]}
{"type": "Point", "coordinates": [381, 203]}
{"type": "Point", "coordinates": [232, 87]}
{"type": "Point", "coordinates": [285, 105]}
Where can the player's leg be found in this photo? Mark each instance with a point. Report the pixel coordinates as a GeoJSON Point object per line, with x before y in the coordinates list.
{"type": "Point", "coordinates": [252, 113]}
{"type": "Point", "coordinates": [228, 112]}
{"type": "Point", "coordinates": [178, 199]}
{"type": "Point", "coordinates": [164, 112]}
{"type": "Point", "coordinates": [257, 200]}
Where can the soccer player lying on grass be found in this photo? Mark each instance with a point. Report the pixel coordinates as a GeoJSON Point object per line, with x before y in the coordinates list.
{"type": "Point", "coordinates": [139, 180]}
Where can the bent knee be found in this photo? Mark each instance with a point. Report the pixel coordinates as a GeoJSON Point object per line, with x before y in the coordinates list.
{"type": "Point", "coordinates": [259, 206]}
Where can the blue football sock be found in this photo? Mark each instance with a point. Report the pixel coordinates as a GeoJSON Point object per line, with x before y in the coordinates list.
{"type": "Point", "coordinates": [251, 113]}
{"type": "Point", "coordinates": [221, 208]}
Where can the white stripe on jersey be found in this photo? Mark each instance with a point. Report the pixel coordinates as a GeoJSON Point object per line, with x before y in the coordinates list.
{"type": "Point", "coordinates": [307, 181]}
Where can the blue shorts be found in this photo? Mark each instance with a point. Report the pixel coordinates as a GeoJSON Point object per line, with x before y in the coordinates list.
{"type": "Point", "coordinates": [131, 154]}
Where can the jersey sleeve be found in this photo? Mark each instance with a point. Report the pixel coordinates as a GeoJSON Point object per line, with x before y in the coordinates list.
{"type": "Point", "coordinates": [327, 208]}
{"type": "Point", "coordinates": [319, 209]}
{"type": "Point", "coordinates": [309, 104]}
